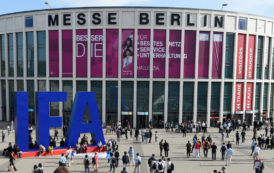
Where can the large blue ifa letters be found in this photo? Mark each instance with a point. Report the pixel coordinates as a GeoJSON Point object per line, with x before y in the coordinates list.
{"type": "Point", "coordinates": [44, 121]}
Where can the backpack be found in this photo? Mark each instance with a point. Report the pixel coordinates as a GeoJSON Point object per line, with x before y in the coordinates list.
{"type": "Point", "coordinates": [172, 166]}
{"type": "Point", "coordinates": [160, 166]}
{"type": "Point", "coordinates": [149, 161]}
{"type": "Point", "coordinates": [87, 162]}
{"type": "Point", "coordinates": [93, 160]}
{"type": "Point", "coordinates": [223, 149]}
{"type": "Point", "coordinates": [154, 166]}
{"type": "Point", "coordinates": [206, 144]}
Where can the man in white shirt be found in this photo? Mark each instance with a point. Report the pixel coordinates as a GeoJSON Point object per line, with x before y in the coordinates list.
{"type": "Point", "coordinates": [161, 166]}
{"type": "Point", "coordinates": [229, 153]}
{"type": "Point", "coordinates": [138, 161]}
{"type": "Point", "coordinates": [256, 151]}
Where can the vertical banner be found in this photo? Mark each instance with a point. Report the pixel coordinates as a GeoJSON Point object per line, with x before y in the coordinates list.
{"type": "Point", "coordinates": [203, 55]}
{"type": "Point", "coordinates": [159, 53]}
{"type": "Point", "coordinates": [174, 53]}
{"type": "Point", "coordinates": [67, 53]}
{"type": "Point", "coordinates": [189, 56]}
{"type": "Point", "coordinates": [143, 53]}
{"type": "Point", "coordinates": [251, 56]}
{"type": "Point", "coordinates": [127, 65]}
{"type": "Point", "coordinates": [112, 52]}
{"type": "Point", "coordinates": [249, 96]}
{"type": "Point", "coordinates": [53, 53]}
{"type": "Point", "coordinates": [217, 54]}
{"type": "Point", "coordinates": [240, 57]}
{"type": "Point", "coordinates": [96, 52]}
{"type": "Point", "coordinates": [239, 96]}
{"type": "Point", "coordinates": [81, 52]}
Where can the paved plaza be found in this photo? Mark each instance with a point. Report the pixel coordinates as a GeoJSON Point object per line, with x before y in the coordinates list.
{"type": "Point", "coordinates": [241, 161]}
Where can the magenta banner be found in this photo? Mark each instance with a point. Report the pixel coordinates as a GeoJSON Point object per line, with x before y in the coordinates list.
{"type": "Point", "coordinates": [159, 53]}
{"type": "Point", "coordinates": [174, 53]}
{"type": "Point", "coordinates": [96, 52]}
{"type": "Point", "coordinates": [203, 54]}
{"type": "Point", "coordinates": [81, 52]}
{"type": "Point", "coordinates": [53, 53]}
{"type": "Point", "coordinates": [67, 53]}
{"type": "Point", "coordinates": [127, 65]}
{"type": "Point", "coordinates": [217, 55]}
{"type": "Point", "coordinates": [143, 53]}
{"type": "Point", "coordinates": [112, 53]}
{"type": "Point", "coordinates": [189, 54]}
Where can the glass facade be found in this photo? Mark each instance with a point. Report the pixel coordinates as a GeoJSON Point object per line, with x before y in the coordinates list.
{"type": "Point", "coordinates": [19, 54]}
{"type": "Point", "coordinates": [259, 57]}
{"type": "Point", "coordinates": [271, 100]}
{"type": "Point", "coordinates": [30, 89]}
{"type": "Point", "coordinates": [142, 104]}
{"type": "Point", "coordinates": [81, 86]}
{"type": "Point", "coordinates": [265, 97]}
{"type": "Point", "coordinates": [41, 53]}
{"type": "Point", "coordinates": [188, 101]}
{"type": "Point", "coordinates": [3, 55]}
{"type": "Point", "coordinates": [173, 101]}
{"type": "Point", "coordinates": [96, 86]}
{"type": "Point", "coordinates": [67, 106]}
{"type": "Point", "coordinates": [127, 104]}
{"type": "Point", "coordinates": [202, 102]}
{"type": "Point", "coordinates": [272, 75]}
{"type": "Point", "coordinates": [257, 97]}
{"type": "Point", "coordinates": [227, 98]}
{"type": "Point", "coordinates": [54, 106]}
{"type": "Point", "coordinates": [20, 85]}
{"type": "Point", "coordinates": [30, 54]}
{"type": "Point", "coordinates": [267, 57]}
{"type": "Point", "coordinates": [215, 102]}
{"type": "Point", "coordinates": [11, 99]}
{"type": "Point", "coordinates": [158, 100]}
{"type": "Point", "coordinates": [10, 55]}
{"type": "Point", "coordinates": [111, 102]}
{"type": "Point", "coordinates": [4, 105]}
{"type": "Point", "coordinates": [42, 85]}
{"type": "Point", "coordinates": [229, 53]}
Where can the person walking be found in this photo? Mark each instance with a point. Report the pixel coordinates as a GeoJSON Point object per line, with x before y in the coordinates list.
{"type": "Point", "coordinates": [237, 138]}
{"type": "Point", "coordinates": [170, 166]}
{"type": "Point", "coordinates": [136, 134]}
{"type": "Point", "coordinates": [40, 168]}
{"type": "Point", "coordinates": [256, 151]}
{"type": "Point", "coordinates": [63, 160]}
{"type": "Point", "coordinates": [138, 161]}
{"type": "Point", "coordinates": [12, 159]}
{"type": "Point", "coordinates": [188, 149]}
{"type": "Point", "coordinates": [86, 164]}
{"type": "Point", "coordinates": [112, 163]}
{"type": "Point", "coordinates": [197, 149]}
{"type": "Point", "coordinates": [258, 165]}
{"type": "Point", "coordinates": [213, 151]}
{"type": "Point", "coordinates": [3, 136]}
{"type": "Point", "coordinates": [95, 161]}
{"type": "Point", "coordinates": [116, 155]}
{"type": "Point", "coordinates": [69, 155]}
{"type": "Point", "coordinates": [166, 148]}
{"type": "Point", "coordinates": [161, 146]}
{"type": "Point", "coordinates": [151, 162]}
{"type": "Point", "coordinates": [229, 153]}
{"type": "Point", "coordinates": [223, 151]}
{"type": "Point", "coordinates": [131, 155]}
{"type": "Point", "coordinates": [161, 166]}
{"type": "Point", "coordinates": [243, 136]}
{"type": "Point", "coordinates": [206, 146]}
{"type": "Point", "coordinates": [253, 145]}
{"type": "Point", "coordinates": [125, 159]}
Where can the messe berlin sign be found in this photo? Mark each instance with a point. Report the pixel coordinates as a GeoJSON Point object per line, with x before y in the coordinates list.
{"type": "Point", "coordinates": [44, 121]}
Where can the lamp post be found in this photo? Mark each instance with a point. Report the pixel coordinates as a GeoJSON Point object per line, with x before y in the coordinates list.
{"type": "Point", "coordinates": [223, 5]}
{"type": "Point", "coordinates": [47, 4]}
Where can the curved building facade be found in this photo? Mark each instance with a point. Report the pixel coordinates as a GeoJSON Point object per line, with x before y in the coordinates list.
{"type": "Point", "coordinates": [158, 64]}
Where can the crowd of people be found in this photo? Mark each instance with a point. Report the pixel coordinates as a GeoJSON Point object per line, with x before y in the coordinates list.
{"type": "Point", "coordinates": [201, 146]}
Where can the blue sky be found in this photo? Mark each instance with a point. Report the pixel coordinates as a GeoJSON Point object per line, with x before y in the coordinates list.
{"type": "Point", "coordinates": [260, 7]}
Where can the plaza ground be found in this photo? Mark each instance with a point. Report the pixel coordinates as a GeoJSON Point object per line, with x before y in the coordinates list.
{"type": "Point", "coordinates": [241, 161]}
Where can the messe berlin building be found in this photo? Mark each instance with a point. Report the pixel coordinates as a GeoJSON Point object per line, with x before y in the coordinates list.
{"type": "Point", "coordinates": [143, 63]}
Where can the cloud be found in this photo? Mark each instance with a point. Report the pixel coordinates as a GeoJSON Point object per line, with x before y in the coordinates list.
{"type": "Point", "coordinates": [78, 3]}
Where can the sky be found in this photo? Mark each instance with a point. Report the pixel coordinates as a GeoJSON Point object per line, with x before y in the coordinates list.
{"type": "Point", "coordinates": [259, 7]}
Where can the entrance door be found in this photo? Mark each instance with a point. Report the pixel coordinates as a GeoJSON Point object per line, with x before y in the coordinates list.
{"type": "Point", "coordinates": [142, 121]}
{"type": "Point", "coordinates": [127, 120]}
{"type": "Point", "coordinates": [158, 121]}
{"type": "Point", "coordinates": [248, 118]}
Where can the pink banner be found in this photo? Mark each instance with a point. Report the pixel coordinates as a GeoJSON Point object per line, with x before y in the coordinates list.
{"type": "Point", "coordinates": [241, 57]}
{"type": "Point", "coordinates": [112, 53]}
{"type": "Point", "coordinates": [251, 56]}
{"type": "Point", "coordinates": [81, 52]}
{"type": "Point", "coordinates": [249, 96]}
{"type": "Point", "coordinates": [143, 53]}
{"type": "Point", "coordinates": [203, 54]}
{"type": "Point", "coordinates": [217, 54]}
{"type": "Point", "coordinates": [96, 52]}
{"type": "Point", "coordinates": [127, 65]}
{"type": "Point", "coordinates": [189, 54]}
{"type": "Point", "coordinates": [53, 53]}
{"type": "Point", "coordinates": [67, 53]}
{"type": "Point", "coordinates": [174, 53]}
{"type": "Point", "coordinates": [159, 53]}
{"type": "Point", "coordinates": [239, 96]}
